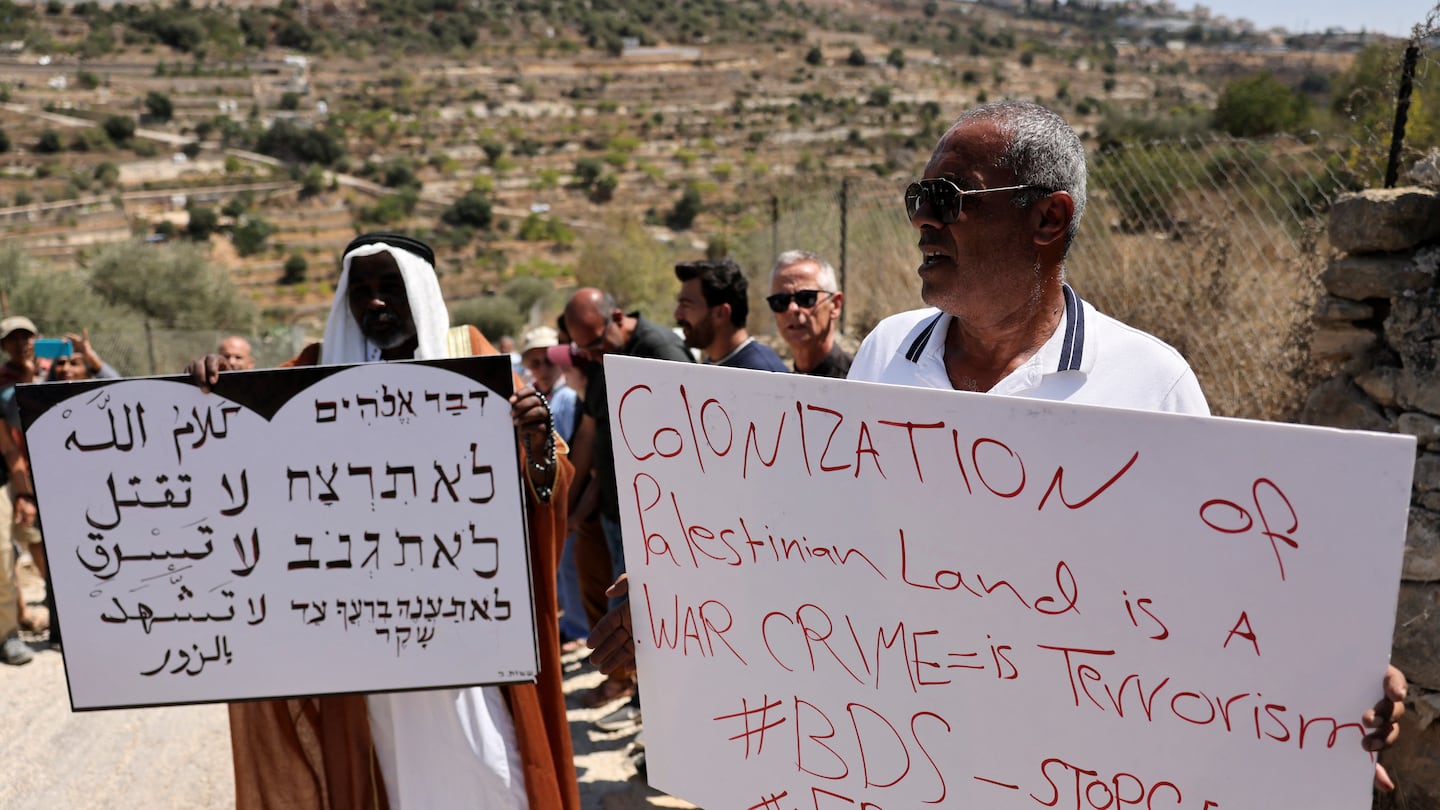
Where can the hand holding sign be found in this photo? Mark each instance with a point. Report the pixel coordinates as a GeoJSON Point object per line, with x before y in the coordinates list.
{"type": "Point", "coordinates": [314, 531]}
{"type": "Point", "coordinates": [833, 586]}
{"type": "Point", "coordinates": [613, 638]}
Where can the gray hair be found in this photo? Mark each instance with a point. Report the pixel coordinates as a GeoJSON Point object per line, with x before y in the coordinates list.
{"type": "Point", "coordinates": [825, 277]}
{"type": "Point", "coordinates": [1043, 151]}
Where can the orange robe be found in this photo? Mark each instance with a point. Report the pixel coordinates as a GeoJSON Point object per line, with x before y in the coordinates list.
{"type": "Point", "coordinates": [316, 753]}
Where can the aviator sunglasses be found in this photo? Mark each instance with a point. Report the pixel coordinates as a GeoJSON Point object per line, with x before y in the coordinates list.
{"type": "Point", "coordinates": [805, 299]}
{"type": "Point", "coordinates": [944, 197]}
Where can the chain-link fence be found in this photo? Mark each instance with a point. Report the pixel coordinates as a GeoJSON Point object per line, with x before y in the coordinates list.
{"type": "Point", "coordinates": [1215, 245]}
{"type": "Point", "coordinates": [1389, 98]}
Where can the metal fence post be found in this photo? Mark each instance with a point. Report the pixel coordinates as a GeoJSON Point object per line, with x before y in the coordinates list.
{"type": "Point", "coordinates": [844, 225]}
{"type": "Point", "coordinates": [150, 345]}
{"type": "Point", "coordinates": [774, 224]}
{"type": "Point", "coordinates": [1402, 113]}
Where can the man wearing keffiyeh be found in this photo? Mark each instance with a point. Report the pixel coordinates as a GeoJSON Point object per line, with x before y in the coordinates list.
{"type": "Point", "coordinates": [490, 747]}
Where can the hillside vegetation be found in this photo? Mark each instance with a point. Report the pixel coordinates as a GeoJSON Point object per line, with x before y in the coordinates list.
{"type": "Point", "coordinates": [555, 140]}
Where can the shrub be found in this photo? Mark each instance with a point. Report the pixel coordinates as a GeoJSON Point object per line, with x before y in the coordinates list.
{"type": "Point", "coordinates": [587, 171]}
{"type": "Point", "coordinates": [683, 214]}
{"type": "Point", "coordinates": [249, 237]}
{"type": "Point", "coordinates": [202, 223]}
{"type": "Point", "coordinates": [312, 181]}
{"type": "Point", "coordinates": [399, 174]}
{"type": "Point", "coordinates": [534, 228]}
{"type": "Point", "coordinates": [108, 174]}
{"type": "Point", "coordinates": [473, 209]}
{"type": "Point", "coordinates": [92, 139]}
{"type": "Point", "coordinates": [493, 315]}
{"type": "Point", "coordinates": [49, 142]}
{"type": "Point", "coordinates": [528, 292]}
{"type": "Point", "coordinates": [175, 285]}
{"type": "Point", "coordinates": [1259, 105]}
{"type": "Point", "coordinates": [158, 107]}
{"type": "Point", "coordinates": [391, 208]}
{"type": "Point", "coordinates": [297, 144]}
{"type": "Point", "coordinates": [295, 269]}
{"type": "Point", "coordinates": [626, 261]}
{"type": "Point", "coordinates": [604, 189]}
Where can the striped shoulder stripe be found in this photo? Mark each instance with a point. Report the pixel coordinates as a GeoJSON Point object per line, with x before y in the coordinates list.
{"type": "Point", "coordinates": [1074, 342]}
{"type": "Point", "coordinates": [917, 347]}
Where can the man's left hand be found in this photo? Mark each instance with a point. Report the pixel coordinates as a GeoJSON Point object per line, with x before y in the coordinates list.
{"type": "Point", "coordinates": [531, 416]}
{"type": "Point", "coordinates": [24, 512]}
{"type": "Point", "coordinates": [613, 638]}
{"type": "Point", "coordinates": [1384, 719]}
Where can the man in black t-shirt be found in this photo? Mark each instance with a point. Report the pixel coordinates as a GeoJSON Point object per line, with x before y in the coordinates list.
{"type": "Point", "coordinates": [806, 301]}
{"type": "Point", "coordinates": [711, 309]}
{"type": "Point", "coordinates": [598, 327]}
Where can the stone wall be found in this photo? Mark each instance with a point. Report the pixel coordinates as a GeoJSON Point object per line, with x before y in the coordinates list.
{"type": "Point", "coordinates": [1379, 327]}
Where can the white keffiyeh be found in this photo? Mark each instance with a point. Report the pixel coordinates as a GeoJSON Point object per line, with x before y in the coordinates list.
{"type": "Point", "coordinates": [439, 748]}
{"type": "Point", "coordinates": [345, 343]}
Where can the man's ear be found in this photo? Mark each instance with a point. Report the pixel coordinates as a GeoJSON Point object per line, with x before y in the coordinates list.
{"type": "Point", "coordinates": [1051, 217]}
{"type": "Point", "coordinates": [721, 312]}
{"type": "Point", "coordinates": [837, 302]}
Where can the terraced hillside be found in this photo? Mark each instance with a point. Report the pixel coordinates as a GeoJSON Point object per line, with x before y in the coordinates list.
{"type": "Point", "coordinates": [559, 137]}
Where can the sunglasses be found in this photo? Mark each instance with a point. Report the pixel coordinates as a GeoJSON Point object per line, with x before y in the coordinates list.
{"type": "Point", "coordinates": [944, 197]}
{"type": "Point", "coordinates": [805, 299]}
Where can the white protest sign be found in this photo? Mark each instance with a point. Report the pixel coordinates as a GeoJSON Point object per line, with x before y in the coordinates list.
{"type": "Point", "coordinates": [303, 531]}
{"type": "Point", "coordinates": [866, 596]}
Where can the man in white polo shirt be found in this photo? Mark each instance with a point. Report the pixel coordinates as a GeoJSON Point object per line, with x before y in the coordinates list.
{"type": "Point", "coordinates": [996, 212]}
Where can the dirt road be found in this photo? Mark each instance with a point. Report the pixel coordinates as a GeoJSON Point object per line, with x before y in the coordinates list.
{"type": "Point", "coordinates": [180, 757]}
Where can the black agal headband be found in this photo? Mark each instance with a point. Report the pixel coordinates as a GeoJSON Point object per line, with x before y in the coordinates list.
{"type": "Point", "coordinates": [399, 240]}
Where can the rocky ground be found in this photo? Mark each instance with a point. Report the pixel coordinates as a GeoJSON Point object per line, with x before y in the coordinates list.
{"type": "Point", "coordinates": [179, 757]}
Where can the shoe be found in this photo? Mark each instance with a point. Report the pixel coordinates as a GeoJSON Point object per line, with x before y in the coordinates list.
{"type": "Point", "coordinates": [622, 718]}
{"type": "Point", "coordinates": [16, 652]}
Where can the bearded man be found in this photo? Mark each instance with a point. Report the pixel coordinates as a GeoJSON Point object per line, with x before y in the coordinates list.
{"type": "Point", "coordinates": [505, 747]}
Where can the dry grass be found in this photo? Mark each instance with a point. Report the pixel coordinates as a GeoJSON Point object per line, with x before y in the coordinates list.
{"type": "Point", "coordinates": [1226, 271]}
{"type": "Point", "coordinates": [878, 275]}
{"type": "Point", "coordinates": [1234, 295]}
